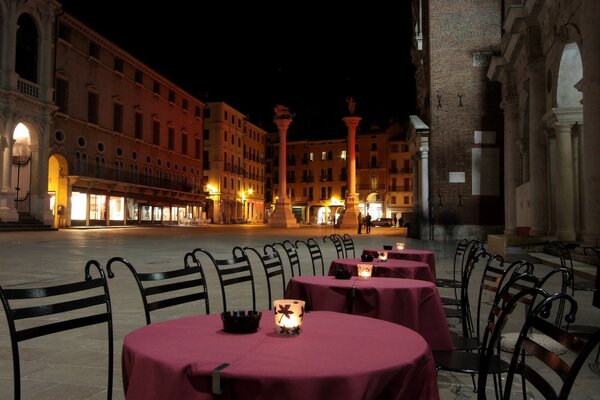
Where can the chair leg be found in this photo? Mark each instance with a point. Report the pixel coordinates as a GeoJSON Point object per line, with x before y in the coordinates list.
{"type": "Point", "coordinates": [474, 383]}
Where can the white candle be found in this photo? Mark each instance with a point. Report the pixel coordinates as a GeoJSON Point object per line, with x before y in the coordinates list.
{"type": "Point", "coordinates": [291, 322]}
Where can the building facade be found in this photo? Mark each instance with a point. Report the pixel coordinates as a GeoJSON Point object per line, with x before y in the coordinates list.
{"type": "Point", "coordinates": [105, 139]}
{"type": "Point", "coordinates": [317, 176]}
{"type": "Point", "coordinates": [234, 154]}
{"type": "Point", "coordinates": [549, 68]}
{"type": "Point", "coordinates": [461, 191]}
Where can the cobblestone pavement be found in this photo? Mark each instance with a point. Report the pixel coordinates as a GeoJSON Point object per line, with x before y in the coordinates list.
{"type": "Point", "coordinates": [73, 365]}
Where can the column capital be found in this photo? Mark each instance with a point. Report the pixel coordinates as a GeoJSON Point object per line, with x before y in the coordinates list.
{"type": "Point", "coordinates": [510, 103]}
{"type": "Point", "coordinates": [563, 116]}
{"type": "Point", "coordinates": [351, 121]}
{"type": "Point", "coordinates": [282, 124]}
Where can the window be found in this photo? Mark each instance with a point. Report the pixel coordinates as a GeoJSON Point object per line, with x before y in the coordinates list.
{"type": "Point", "coordinates": [156, 88]}
{"type": "Point", "coordinates": [373, 161]}
{"type": "Point", "coordinates": [393, 199]}
{"type": "Point", "coordinates": [94, 50]}
{"type": "Point", "coordinates": [184, 143]}
{"type": "Point", "coordinates": [205, 161]}
{"type": "Point", "coordinates": [393, 189]}
{"type": "Point", "coordinates": [394, 148]}
{"type": "Point", "coordinates": [64, 32]}
{"type": "Point", "coordinates": [171, 96]}
{"type": "Point", "coordinates": [323, 155]}
{"type": "Point", "coordinates": [155, 132]}
{"type": "Point", "coordinates": [171, 139]}
{"type": "Point", "coordinates": [404, 148]}
{"type": "Point", "coordinates": [62, 95]}
{"type": "Point", "coordinates": [92, 107]}
{"type": "Point", "coordinates": [184, 104]}
{"type": "Point", "coordinates": [118, 117]}
{"type": "Point", "coordinates": [226, 116]}
{"type": "Point", "coordinates": [311, 156]}
{"type": "Point", "coordinates": [119, 64]}
{"type": "Point", "coordinates": [139, 77]}
{"type": "Point", "coordinates": [206, 112]}
{"type": "Point", "coordinates": [139, 125]}
{"type": "Point", "coordinates": [406, 200]}
{"type": "Point", "coordinates": [343, 155]}
{"type": "Point", "coordinates": [373, 146]}
{"type": "Point", "coordinates": [197, 148]}
{"type": "Point", "coordinates": [206, 134]}
{"type": "Point", "coordinates": [197, 112]}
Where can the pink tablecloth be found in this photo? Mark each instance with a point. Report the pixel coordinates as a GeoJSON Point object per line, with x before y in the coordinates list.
{"type": "Point", "coordinates": [337, 356]}
{"type": "Point", "coordinates": [392, 268]}
{"type": "Point", "coordinates": [426, 256]}
{"type": "Point", "coordinates": [408, 302]}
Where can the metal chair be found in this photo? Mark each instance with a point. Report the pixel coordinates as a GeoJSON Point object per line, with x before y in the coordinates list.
{"type": "Point", "coordinates": [272, 265]}
{"type": "Point", "coordinates": [30, 313]}
{"type": "Point", "coordinates": [292, 256]}
{"type": "Point", "coordinates": [315, 253]}
{"type": "Point", "coordinates": [168, 288]}
{"type": "Point", "coordinates": [337, 242]}
{"type": "Point", "coordinates": [231, 271]}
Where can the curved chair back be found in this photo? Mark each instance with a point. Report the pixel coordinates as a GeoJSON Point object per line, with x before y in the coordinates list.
{"type": "Point", "coordinates": [168, 288]}
{"type": "Point", "coordinates": [292, 256]}
{"type": "Point", "coordinates": [272, 265]}
{"type": "Point", "coordinates": [315, 253]}
{"type": "Point", "coordinates": [231, 271]}
{"type": "Point", "coordinates": [339, 247]}
{"type": "Point", "coordinates": [79, 304]}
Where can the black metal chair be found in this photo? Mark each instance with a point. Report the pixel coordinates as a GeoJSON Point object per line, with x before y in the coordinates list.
{"type": "Point", "coordinates": [564, 368]}
{"type": "Point", "coordinates": [292, 256]}
{"type": "Point", "coordinates": [463, 250]}
{"type": "Point", "coordinates": [337, 242]}
{"type": "Point", "coordinates": [167, 288]}
{"type": "Point", "coordinates": [30, 314]}
{"type": "Point", "coordinates": [347, 244]}
{"type": "Point", "coordinates": [272, 265]}
{"type": "Point", "coordinates": [315, 253]}
{"type": "Point", "coordinates": [231, 271]}
{"type": "Point", "coordinates": [562, 251]}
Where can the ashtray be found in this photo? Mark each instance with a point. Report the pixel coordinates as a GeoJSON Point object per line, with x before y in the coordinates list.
{"type": "Point", "coordinates": [387, 247]}
{"type": "Point", "coordinates": [342, 273]}
{"type": "Point", "coordinates": [239, 321]}
{"type": "Point", "coordinates": [366, 257]}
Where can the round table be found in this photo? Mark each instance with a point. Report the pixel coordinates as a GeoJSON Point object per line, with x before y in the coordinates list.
{"type": "Point", "coordinates": [336, 356]}
{"type": "Point", "coordinates": [426, 256]}
{"type": "Point", "coordinates": [392, 268]}
{"type": "Point", "coordinates": [408, 302]}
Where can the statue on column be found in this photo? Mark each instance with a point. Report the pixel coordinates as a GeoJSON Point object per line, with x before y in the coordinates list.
{"type": "Point", "coordinates": [351, 105]}
{"type": "Point", "coordinates": [282, 112]}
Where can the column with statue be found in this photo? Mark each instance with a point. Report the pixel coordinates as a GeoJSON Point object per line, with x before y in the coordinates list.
{"type": "Point", "coordinates": [350, 219]}
{"type": "Point", "coordinates": [283, 217]}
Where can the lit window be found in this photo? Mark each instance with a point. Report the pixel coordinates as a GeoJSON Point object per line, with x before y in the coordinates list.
{"type": "Point", "coordinates": [343, 155]}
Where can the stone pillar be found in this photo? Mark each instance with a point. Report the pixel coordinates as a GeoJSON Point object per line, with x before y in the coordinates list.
{"type": "Point", "coordinates": [590, 31]}
{"type": "Point", "coordinates": [511, 163]}
{"type": "Point", "coordinates": [350, 219]}
{"type": "Point", "coordinates": [538, 154]}
{"type": "Point", "coordinates": [282, 215]}
{"type": "Point", "coordinates": [424, 187]}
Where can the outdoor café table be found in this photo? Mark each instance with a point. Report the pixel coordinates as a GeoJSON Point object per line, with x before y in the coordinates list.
{"type": "Point", "coordinates": [336, 356]}
{"type": "Point", "coordinates": [412, 303]}
{"type": "Point", "coordinates": [391, 268]}
{"type": "Point", "coordinates": [426, 256]}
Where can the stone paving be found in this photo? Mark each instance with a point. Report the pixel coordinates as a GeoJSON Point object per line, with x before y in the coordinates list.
{"type": "Point", "coordinates": [72, 365]}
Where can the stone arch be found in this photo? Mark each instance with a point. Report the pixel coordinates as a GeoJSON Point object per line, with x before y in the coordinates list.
{"type": "Point", "coordinates": [27, 48]}
{"type": "Point", "coordinates": [570, 73]}
{"type": "Point", "coordinates": [58, 189]}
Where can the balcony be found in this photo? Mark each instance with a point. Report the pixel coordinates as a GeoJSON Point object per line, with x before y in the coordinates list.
{"type": "Point", "coordinates": [393, 170]}
{"type": "Point", "coordinates": [308, 179]}
{"type": "Point", "coordinates": [379, 186]}
{"type": "Point", "coordinates": [28, 88]}
{"type": "Point", "coordinates": [406, 170]}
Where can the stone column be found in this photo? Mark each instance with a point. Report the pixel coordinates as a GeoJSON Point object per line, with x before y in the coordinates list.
{"type": "Point", "coordinates": [350, 219]}
{"type": "Point", "coordinates": [511, 163]}
{"type": "Point", "coordinates": [590, 31]}
{"type": "Point", "coordinates": [282, 215]}
{"type": "Point", "coordinates": [538, 154]}
{"type": "Point", "coordinates": [8, 212]}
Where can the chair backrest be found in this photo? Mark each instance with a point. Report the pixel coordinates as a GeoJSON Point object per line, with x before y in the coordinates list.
{"type": "Point", "coordinates": [564, 366]}
{"type": "Point", "coordinates": [272, 265]}
{"type": "Point", "coordinates": [315, 253]}
{"type": "Point", "coordinates": [30, 311]}
{"type": "Point", "coordinates": [561, 250]}
{"type": "Point", "coordinates": [339, 247]}
{"type": "Point", "coordinates": [231, 271]}
{"type": "Point", "coordinates": [292, 256]}
{"type": "Point", "coordinates": [168, 288]}
{"type": "Point", "coordinates": [348, 245]}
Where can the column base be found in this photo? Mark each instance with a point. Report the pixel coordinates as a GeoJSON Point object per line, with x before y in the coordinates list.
{"type": "Point", "coordinates": [8, 212]}
{"type": "Point", "coordinates": [283, 217]}
{"type": "Point", "coordinates": [565, 236]}
{"type": "Point", "coordinates": [350, 219]}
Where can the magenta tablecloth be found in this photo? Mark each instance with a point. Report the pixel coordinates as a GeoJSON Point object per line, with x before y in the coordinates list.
{"type": "Point", "coordinates": [426, 256]}
{"type": "Point", "coordinates": [408, 302]}
{"type": "Point", "coordinates": [392, 268]}
{"type": "Point", "coordinates": [337, 356]}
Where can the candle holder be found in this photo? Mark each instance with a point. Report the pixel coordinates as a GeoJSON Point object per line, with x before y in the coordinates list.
{"type": "Point", "coordinates": [288, 316]}
{"type": "Point", "coordinates": [383, 256]}
{"type": "Point", "coordinates": [399, 246]}
{"type": "Point", "coordinates": [364, 271]}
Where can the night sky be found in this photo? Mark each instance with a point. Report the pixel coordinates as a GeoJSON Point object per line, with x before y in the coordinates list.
{"type": "Point", "coordinates": [307, 58]}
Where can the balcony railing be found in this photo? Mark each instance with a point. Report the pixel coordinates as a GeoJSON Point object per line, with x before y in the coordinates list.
{"type": "Point", "coordinates": [379, 186]}
{"type": "Point", "coordinates": [393, 170]}
{"type": "Point", "coordinates": [28, 88]}
{"type": "Point", "coordinates": [308, 179]}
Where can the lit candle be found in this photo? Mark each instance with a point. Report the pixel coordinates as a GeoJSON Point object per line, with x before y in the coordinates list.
{"type": "Point", "coordinates": [399, 246]}
{"type": "Point", "coordinates": [288, 316]}
{"type": "Point", "coordinates": [364, 271]}
{"type": "Point", "coordinates": [383, 256]}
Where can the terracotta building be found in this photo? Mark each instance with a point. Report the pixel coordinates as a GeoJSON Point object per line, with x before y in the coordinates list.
{"type": "Point", "coordinates": [234, 169]}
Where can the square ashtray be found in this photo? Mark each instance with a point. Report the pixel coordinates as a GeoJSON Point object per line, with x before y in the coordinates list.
{"type": "Point", "coordinates": [240, 321]}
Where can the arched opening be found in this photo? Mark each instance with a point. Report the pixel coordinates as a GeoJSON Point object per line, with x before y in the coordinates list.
{"type": "Point", "coordinates": [570, 74]}
{"type": "Point", "coordinates": [26, 60]}
{"type": "Point", "coordinates": [58, 191]}
{"type": "Point", "coordinates": [372, 206]}
{"type": "Point", "coordinates": [21, 167]}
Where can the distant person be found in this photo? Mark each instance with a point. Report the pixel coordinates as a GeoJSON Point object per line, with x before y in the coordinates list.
{"type": "Point", "coordinates": [360, 221]}
{"type": "Point", "coordinates": [395, 220]}
{"type": "Point", "coordinates": [368, 223]}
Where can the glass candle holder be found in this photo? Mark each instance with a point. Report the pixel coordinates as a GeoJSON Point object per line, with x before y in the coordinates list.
{"type": "Point", "coordinates": [364, 271]}
{"type": "Point", "coordinates": [383, 256]}
{"type": "Point", "coordinates": [288, 316]}
{"type": "Point", "coordinates": [399, 246]}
